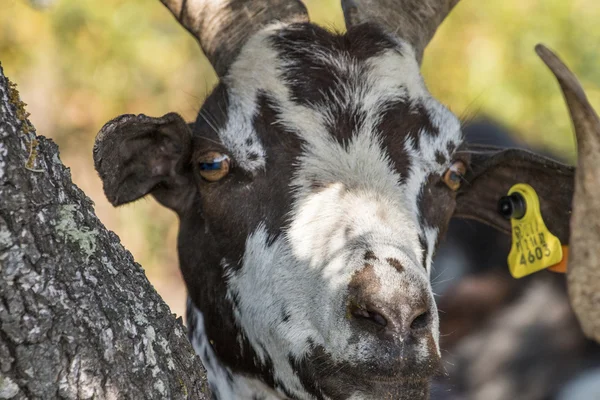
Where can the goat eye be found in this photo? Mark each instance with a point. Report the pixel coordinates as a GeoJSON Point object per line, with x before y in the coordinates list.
{"type": "Point", "coordinates": [213, 166]}
{"type": "Point", "coordinates": [454, 175]}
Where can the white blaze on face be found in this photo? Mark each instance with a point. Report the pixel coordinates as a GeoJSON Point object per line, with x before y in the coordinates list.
{"type": "Point", "coordinates": [358, 205]}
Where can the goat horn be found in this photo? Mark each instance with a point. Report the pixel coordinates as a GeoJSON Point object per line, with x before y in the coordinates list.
{"type": "Point", "coordinates": [222, 26]}
{"type": "Point", "coordinates": [415, 21]}
{"type": "Point", "coordinates": [584, 254]}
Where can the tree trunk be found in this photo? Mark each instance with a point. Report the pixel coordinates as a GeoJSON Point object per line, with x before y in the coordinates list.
{"type": "Point", "coordinates": [78, 317]}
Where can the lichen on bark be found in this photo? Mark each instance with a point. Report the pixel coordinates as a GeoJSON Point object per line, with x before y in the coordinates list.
{"type": "Point", "coordinates": [78, 317]}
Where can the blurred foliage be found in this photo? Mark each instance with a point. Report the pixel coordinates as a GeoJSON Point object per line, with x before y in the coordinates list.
{"type": "Point", "coordinates": [79, 63]}
{"type": "Point", "coordinates": [482, 61]}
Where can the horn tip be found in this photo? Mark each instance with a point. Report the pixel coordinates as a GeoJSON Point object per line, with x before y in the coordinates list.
{"type": "Point", "coordinates": [547, 55]}
{"type": "Point", "coordinates": [567, 80]}
{"type": "Point", "coordinates": [541, 48]}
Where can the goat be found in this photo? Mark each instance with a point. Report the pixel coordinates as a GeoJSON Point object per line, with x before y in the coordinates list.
{"type": "Point", "coordinates": [312, 191]}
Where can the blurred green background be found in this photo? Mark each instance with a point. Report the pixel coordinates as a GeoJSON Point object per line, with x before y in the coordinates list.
{"type": "Point", "coordinates": [79, 63]}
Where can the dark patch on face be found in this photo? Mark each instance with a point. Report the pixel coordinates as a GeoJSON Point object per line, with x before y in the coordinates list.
{"type": "Point", "coordinates": [436, 204]}
{"type": "Point", "coordinates": [200, 253]}
{"type": "Point", "coordinates": [369, 255]}
{"type": "Point", "coordinates": [440, 158]}
{"type": "Point", "coordinates": [309, 76]}
{"type": "Point", "coordinates": [394, 262]}
{"type": "Point", "coordinates": [313, 80]}
{"type": "Point", "coordinates": [272, 194]}
{"type": "Point", "coordinates": [207, 232]}
{"type": "Point", "coordinates": [400, 121]}
{"type": "Point", "coordinates": [345, 122]}
{"type": "Point", "coordinates": [416, 120]}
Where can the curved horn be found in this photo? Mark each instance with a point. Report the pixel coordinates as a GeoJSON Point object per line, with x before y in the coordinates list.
{"type": "Point", "coordinates": [584, 253]}
{"type": "Point", "coordinates": [412, 20]}
{"type": "Point", "coordinates": [222, 26]}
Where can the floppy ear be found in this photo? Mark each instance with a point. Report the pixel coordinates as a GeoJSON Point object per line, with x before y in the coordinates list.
{"type": "Point", "coordinates": [138, 155]}
{"type": "Point", "coordinates": [494, 171]}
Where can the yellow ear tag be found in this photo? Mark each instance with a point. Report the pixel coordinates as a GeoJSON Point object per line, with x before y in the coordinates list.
{"type": "Point", "coordinates": [533, 246]}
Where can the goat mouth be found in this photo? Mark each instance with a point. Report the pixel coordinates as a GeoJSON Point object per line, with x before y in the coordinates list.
{"type": "Point", "coordinates": [408, 381]}
{"type": "Point", "coordinates": [398, 379]}
{"type": "Point", "coordinates": [398, 387]}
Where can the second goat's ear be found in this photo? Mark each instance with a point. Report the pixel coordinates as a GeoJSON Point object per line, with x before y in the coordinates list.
{"type": "Point", "coordinates": [494, 171]}
{"type": "Point", "coordinates": [138, 155]}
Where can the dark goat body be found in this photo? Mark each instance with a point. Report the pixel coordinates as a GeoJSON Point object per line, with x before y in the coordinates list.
{"type": "Point", "coordinates": [307, 261]}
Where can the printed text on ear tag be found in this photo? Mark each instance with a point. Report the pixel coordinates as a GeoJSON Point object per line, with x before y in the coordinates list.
{"type": "Point", "coordinates": [533, 246]}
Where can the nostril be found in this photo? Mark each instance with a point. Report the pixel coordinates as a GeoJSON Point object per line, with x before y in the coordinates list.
{"type": "Point", "coordinates": [377, 318]}
{"type": "Point", "coordinates": [421, 321]}
{"type": "Point", "coordinates": [368, 315]}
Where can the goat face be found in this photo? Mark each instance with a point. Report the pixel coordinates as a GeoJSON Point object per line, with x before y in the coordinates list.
{"type": "Point", "coordinates": [310, 259]}
{"type": "Point", "coordinates": [311, 191]}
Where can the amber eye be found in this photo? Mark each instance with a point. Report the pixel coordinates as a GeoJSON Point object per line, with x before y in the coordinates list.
{"type": "Point", "coordinates": [214, 166]}
{"type": "Point", "coordinates": [453, 176]}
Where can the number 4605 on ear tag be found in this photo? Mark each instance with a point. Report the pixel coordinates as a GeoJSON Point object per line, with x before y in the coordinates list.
{"type": "Point", "coordinates": [533, 246]}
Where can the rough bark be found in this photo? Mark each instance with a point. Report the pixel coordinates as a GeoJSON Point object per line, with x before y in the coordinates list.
{"type": "Point", "coordinates": [78, 317]}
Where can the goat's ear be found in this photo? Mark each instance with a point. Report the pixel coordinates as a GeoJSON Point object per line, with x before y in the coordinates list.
{"type": "Point", "coordinates": [494, 171]}
{"type": "Point", "coordinates": [138, 155]}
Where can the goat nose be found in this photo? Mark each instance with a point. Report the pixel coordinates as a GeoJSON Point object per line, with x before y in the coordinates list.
{"type": "Point", "coordinates": [394, 309]}
{"type": "Point", "coordinates": [395, 320]}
